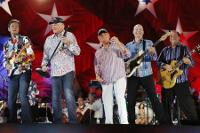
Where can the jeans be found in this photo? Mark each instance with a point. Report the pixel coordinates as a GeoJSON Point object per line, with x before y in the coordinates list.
{"type": "Point", "coordinates": [19, 83]}
{"type": "Point", "coordinates": [60, 84]}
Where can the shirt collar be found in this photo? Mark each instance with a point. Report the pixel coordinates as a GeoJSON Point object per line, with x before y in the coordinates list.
{"type": "Point", "coordinates": [17, 38]}
{"type": "Point", "coordinates": [178, 45]}
{"type": "Point", "coordinates": [138, 43]}
{"type": "Point", "coordinates": [59, 34]}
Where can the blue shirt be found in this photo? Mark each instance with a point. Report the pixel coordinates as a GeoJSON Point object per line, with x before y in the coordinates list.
{"type": "Point", "coordinates": [145, 69]}
{"type": "Point", "coordinates": [168, 54]}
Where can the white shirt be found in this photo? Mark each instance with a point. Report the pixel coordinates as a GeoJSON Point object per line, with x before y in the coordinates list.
{"type": "Point", "coordinates": [63, 59]}
{"type": "Point", "coordinates": [97, 107]}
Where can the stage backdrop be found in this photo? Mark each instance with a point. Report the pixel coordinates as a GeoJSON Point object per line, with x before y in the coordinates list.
{"type": "Point", "coordinates": [85, 17]}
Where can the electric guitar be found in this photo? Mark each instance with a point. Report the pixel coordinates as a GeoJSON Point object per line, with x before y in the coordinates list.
{"type": "Point", "coordinates": [16, 58]}
{"type": "Point", "coordinates": [168, 78]}
{"type": "Point", "coordinates": [132, 64]}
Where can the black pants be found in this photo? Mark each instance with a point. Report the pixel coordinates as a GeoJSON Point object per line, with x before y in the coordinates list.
{"type": "Point", "coordinates": [148, 84]}
{"type": "Point", "coordinates": [184, 98]}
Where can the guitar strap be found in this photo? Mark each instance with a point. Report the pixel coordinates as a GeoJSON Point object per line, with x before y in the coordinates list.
{"type": "Point", "coordinates": [182, 49]}
{"type": "Point", "coordinates": [144, 48]}
{"type": "Point", "coordinates": [20, 43]}
{"type": "Point", "coordinates": [144, 45]}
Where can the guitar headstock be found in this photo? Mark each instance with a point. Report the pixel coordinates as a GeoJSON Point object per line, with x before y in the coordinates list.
{"type": "Point", "coordinates": [196, 49]}
{"type": "Point", "coordinates": [164, 37]}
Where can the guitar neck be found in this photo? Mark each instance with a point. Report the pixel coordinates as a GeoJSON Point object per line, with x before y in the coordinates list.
{"type": "Point", "coordinates": [154, 45]}
{"type": "Point", "coordinates": [21, 50]}
{"type": "Point", "coordinates": [157, 42]}
{"type": "Point", "coordinates": [181, 61]}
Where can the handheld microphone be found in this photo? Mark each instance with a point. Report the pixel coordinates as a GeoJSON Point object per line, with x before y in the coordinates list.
{"type": "Point", "coordinates": [65, 33]}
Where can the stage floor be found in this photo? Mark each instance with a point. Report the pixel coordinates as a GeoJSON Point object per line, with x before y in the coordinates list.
{"type": "Point", "coordinates": [77, 128]}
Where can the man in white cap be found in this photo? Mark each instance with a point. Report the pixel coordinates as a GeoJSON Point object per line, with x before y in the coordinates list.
{"type": "Point", "coordinates": [110, 72]}
{"type": "Point", "coordinates": [62, 68]}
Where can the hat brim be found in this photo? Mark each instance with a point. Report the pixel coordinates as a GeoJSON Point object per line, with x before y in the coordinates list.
{"type": "Point", "coordinates": [101, 32]}
{"type": "Point", "coordinates": [56, 22]}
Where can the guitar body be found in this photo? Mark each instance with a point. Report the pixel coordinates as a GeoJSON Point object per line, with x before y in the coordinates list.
{"type": "Point", "coordinates": [20, 57]}
{"type": "Point", "coordinates": [10, 72]}
{"type": "Point", "coordinates": [131, 66]}
{"type": "Point", "coordinates": [169, 78]}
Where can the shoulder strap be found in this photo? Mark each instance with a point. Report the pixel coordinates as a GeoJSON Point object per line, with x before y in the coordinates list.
{"type": "Point", "coordinates": [20, 42]}
{"type": "Point", "coordinates": [182, 51]}
{"type": "Point", "coordinates": [144, 45]}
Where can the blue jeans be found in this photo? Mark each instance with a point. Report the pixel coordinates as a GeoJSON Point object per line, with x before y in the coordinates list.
{"type": "Point", "coordinates": [19, 83]}
{"type": "Point", "coordinates": [59, 84]}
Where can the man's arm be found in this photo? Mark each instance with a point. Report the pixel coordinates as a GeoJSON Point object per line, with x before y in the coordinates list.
{"type": "Point", "coordinates": [71, 44]}
{"type": "Point", "coordinates": [45, 59]}
{"type": "Point", "coordinates": [96, 68]}
{"type": "Point", "coordinates": [29, 49]}
{"type": "Point", "coordinates": [152, 54]}
{"type": "Point", "coordinates": [122, 51]}
{"type": "Point", "coordinates": [162, 61]}
{"type": "Point", "coordinates": [188, 60]}
{"type": "Point", "coordinates": [6, 56]}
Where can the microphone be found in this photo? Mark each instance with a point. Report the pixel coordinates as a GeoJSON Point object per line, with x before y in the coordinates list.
{"type": "Point", "coordinates": [14, 39]}
{"type": "Point", "coordinates": [65, 33]}
{"type": "Point", "coordinates": [25, 40]}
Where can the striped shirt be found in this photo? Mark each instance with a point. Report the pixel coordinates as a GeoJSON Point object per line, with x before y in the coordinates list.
{"type": "Point", "coordinates": [168, 54]}
{"type": "Point", "coordinates": [145, 68]}
{"type": "Point", "coordinates": [109, 63]}
{"type": "Point", "coordinates": [63, 59]}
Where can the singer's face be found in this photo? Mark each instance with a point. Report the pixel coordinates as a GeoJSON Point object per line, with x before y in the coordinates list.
{"type": "Point", "coordinates": [104, 38]}
{"type": "Point", "coordinates": [138, 31]}
{"type": "Point", "coordinates": [58, 27]}
{"type": "Point", "coordinates": [14, 28]}
{"type": "Point", "coordinates": [174, 38]}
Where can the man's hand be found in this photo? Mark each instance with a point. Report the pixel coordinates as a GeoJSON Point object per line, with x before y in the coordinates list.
{"type": "Point", "coordinates": [152, 50]}
{"type": "Point", "coordinates": [66, 41]}
{"type": "Point", "coordinates": [187, 61]}
{"type": "Point", "coordinates": [44, 68]}
{"type": "Point", "coordinates": [167, 67]}
{"type": "Point", "coordinates": [8, 67]}
{"type": "Point", "coordinates": [164, 37]}
{"type": "Point", "coordinates": [17, 60]}
{"type": "Point", "coordinates": [98, 78]}
{"type": "Point", "coordinates": [115, 40]}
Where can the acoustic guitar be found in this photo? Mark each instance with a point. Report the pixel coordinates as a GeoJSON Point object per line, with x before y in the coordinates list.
{"type": "Point", "coordinates": [168, 78]}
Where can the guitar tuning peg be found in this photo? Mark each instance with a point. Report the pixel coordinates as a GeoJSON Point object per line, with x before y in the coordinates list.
{"type": "Point", "coordinates": [25, 40]}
